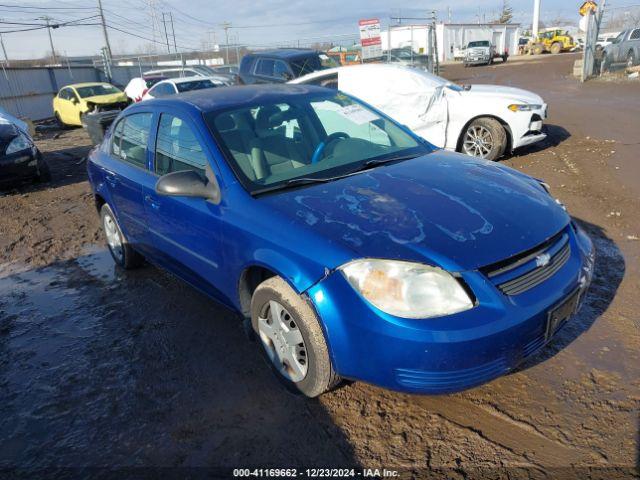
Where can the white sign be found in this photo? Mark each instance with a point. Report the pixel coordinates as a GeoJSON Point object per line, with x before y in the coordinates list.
{"type": "Point", "coordinates": [370, 38]}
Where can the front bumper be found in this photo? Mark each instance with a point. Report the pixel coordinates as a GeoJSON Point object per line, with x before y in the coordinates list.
{"type": "Point", "coordinates": [477, 61]}
{"type": "Point", "coordinates": [451, 353]}
{"type": "Point", "coordinates": [18, 166]}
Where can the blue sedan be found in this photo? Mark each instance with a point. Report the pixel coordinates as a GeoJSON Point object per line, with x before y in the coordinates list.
{"type": "Point", "coordinates": [354, 248]}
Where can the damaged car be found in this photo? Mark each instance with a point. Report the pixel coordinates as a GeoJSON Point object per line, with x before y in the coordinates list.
{"type": "Point", "coordinates": [20, 159]}
{"type": "Point", "coordinates": [484, 121]}
{"type": "Point", "coordinates": [74, 101]}
{"type": "Point", "coordinates": [352, 247]}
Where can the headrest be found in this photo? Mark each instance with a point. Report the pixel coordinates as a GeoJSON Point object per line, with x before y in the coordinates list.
{"type": "Point", "coordinates": [266, 118]}
{"type": "Point", "coordinates": [225, 122]}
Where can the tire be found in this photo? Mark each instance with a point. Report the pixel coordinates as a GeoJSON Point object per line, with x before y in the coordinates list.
{"type": "Point", "coordinates": [485, 137]}
{"type": "Point", "coordinates": [125, 256]}
{"type": "Point", "coordinates": [313, 373]}
{"type": "Point", "coordinates": [556, 48]}
{"type": "Point", "coordinates": [537, 49]}
{"type": "Point", "coordinates": [606, 64]}
{"type": "Point", "coordinates": [631, 59]}
{"type": "Point", "coordinates": [44, 173]}
{"type": "Point", "coordinates": [504, 58]}
{"type": "Point", "coordinates": [59, 121]}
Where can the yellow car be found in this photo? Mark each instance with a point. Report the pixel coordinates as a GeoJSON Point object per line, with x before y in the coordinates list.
{"type": "Point", "coordinates": [73, 101]}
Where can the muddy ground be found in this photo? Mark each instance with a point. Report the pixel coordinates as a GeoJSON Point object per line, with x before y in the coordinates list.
{"type": "Point", "coordinates": [99, 368]}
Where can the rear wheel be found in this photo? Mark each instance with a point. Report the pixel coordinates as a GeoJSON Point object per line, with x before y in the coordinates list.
{"type": "Point", "coordinates": [292, 338]}
{"type": "Point", "coordinates": [556, 48]}
{"type": "Point", "coordinates": [485, 138]}
{"type": "Point", "coordinates": [631, 59]}
{"type": "Point", "coordinates": [121, 250]}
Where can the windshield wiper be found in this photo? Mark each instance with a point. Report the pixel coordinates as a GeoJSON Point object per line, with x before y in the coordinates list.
{"type": "Point", "coordinates": [295, 182]}
{"type": "Point", "coordinates": [379, 161]}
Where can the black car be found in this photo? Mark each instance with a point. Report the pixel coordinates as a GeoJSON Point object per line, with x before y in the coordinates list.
{"type": "Point", "coordinates": [20, 159]}
{"type": "Point", "coordinates": [278, 66]}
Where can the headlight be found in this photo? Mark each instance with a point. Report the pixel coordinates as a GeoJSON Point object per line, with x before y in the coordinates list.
{"type": "Point", "coordinates": [21, 142]}
{"type": "Point", "coordinates": [407, 290]}
{"type": "Point", "coordinates": [523, 107]}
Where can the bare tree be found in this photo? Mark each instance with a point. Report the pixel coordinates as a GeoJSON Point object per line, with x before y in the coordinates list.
{"type": "Point", "coordinates": [506, 13]}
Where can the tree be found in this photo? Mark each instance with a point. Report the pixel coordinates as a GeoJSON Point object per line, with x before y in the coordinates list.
{"type": "Point", "coordinates": [507, 13]}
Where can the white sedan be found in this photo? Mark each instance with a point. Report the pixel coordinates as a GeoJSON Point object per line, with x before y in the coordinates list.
{"type": "Point", "coordinates": [173, 86]}
{"type": "Point", "coordinates": [480, 120]}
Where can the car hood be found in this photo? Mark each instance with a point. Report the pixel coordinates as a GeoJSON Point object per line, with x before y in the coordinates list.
{"type": "Point", "coordinates": [443, 208]}
{"type": "Point", "coordinates": [107, 99]}
{"type": "Point", "coordinates": [509, 94]}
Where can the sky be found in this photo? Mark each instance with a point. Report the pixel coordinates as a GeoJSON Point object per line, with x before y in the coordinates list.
{"type": "Point", "coordinates": [198, 23]}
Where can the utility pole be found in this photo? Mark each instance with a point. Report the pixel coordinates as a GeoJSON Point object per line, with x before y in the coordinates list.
{"type": "Point", "coordinates": [173, 32]}
{"type": "Point", "coordinates": [166, 36]}
{"type": "Point", "coordinates": [4, 51]}
{"type": "Point", "coordinates": [535, 26]}
{"type": "Point", "coordinates": [226, 26]}
{"type": "Point", "coordinates": [54, 57]}
{"type": "Point", "coordinates": [104, 29]}
{"type": "Point", "coordinates": [436, 58]}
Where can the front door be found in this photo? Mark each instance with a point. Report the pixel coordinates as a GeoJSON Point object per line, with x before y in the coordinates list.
{"type": "Point", "coordinates": [185, 231]}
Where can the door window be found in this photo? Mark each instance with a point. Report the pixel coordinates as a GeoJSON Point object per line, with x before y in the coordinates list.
{"type": "Point", "coordinates": [130, 139]}
{"type": "Point", "coordinates": [265, 67]}
{"type": "Point", "coordinates": [162, 90]}
{"type": "Point", "coordinates": [177, 147]}
{"type": "Point", "coordinates": [635, 35]}
{"type": "Point", "coordinates": [280, 69]}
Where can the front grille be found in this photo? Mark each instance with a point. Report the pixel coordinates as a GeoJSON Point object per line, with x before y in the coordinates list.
{"type": "Point", "coordinates": [526, 271]}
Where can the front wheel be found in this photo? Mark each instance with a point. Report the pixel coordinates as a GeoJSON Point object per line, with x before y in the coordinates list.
{"type": "Point", "coordinates": [292, 338]}
{"type": "Point", "coordinates": [556, 48]}
{"type": "Point", "coordinates": [485, 138]}
{"type": "Point", "coordinates": [121, 250]}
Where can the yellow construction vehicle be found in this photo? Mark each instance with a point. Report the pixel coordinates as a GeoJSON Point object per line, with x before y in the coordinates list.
{"type": "Point", "coordinates": [554, 40]}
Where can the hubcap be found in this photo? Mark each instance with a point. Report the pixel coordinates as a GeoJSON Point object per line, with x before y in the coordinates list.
{"type": "Point", "coordinates": [113, 237]}
{"type": "Point", "coordinates": [478, 141]}
{"type": "Point", "coordinates": [283, 341]}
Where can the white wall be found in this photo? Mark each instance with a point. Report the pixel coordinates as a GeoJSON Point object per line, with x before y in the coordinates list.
{"type": "Point", "coordinates": [451, 37]}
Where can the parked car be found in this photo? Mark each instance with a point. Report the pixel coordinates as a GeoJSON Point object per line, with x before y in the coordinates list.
{"type": "Point", "coordinates": [624, 48]}
{"type": "Point", "coordinates": [278, 66]}
{"type": "Point", "coordinates": [20, 159]}
{"type": "Point", "coordinates": [482, 52]}
{"type": "Point", "coordinates": [406, 57]}
{"type": "Point", "coordinates": [193, 71]}
{"type": "Point", "coordinates": [174, 86]}
{"type": "Point", "coordinates": [604, 40]}
{"type": "Point", "coordinates": [480, 120]}
{"type": "Point", "coordinates": [227, 69]}
{"type": "Point", "coordinates": [73, 101]}
{"type": "Point", "coordinates": [138, 86]}
{"type": "Point", "coordinates": [354, 248]}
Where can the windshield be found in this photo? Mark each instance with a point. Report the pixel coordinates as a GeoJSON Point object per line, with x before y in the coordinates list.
{"type": "Point", "coordinates": [95, 90]}
{"type": "Point", "coordinates": [315, 136]}
{"type": "Point", "coordinates": [194, 85]}
{"type": "Point", "coordinates": [483, 43]}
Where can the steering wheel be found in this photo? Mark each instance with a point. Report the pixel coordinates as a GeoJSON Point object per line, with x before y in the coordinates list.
{"type": "Point", "coordinates": [319, 151]}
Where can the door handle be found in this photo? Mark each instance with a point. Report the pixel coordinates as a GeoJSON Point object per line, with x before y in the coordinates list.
{"type": "Point", "coordinates": [111, 179]}
{"type": "Point", "coordinates": [152, 203]}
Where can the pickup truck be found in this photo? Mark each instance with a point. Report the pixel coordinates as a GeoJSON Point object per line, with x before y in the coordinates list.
{"type": "Point", "coordinates": [481, 52]}
{"type": "Point", "coordinates": [624, 48]}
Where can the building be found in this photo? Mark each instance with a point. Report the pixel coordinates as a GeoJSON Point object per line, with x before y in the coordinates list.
{"type": "Point", "coordinates": [451, 37]}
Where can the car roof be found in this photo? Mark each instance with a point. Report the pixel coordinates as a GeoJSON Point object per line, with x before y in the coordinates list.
{"type": "Point", "coordinates": [214, 99]}
{"type": "Point", "coordinates": [86, 84]}
{"type": "Point", "coordinates": [285, 53]}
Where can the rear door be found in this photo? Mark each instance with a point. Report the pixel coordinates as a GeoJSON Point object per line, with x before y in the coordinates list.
{"type": "Point", "coordinates": [127, 174]}
{"type": "Point", "coordinates": [185, 231]}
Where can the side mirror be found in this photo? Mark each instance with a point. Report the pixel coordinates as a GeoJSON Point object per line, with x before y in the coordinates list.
{"type": "Point", "coordinates": [287, 76]}
{"type": "Point", "coordinates": [74, 100]}
{"type": "Point", "coordinates": [188, 183]}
